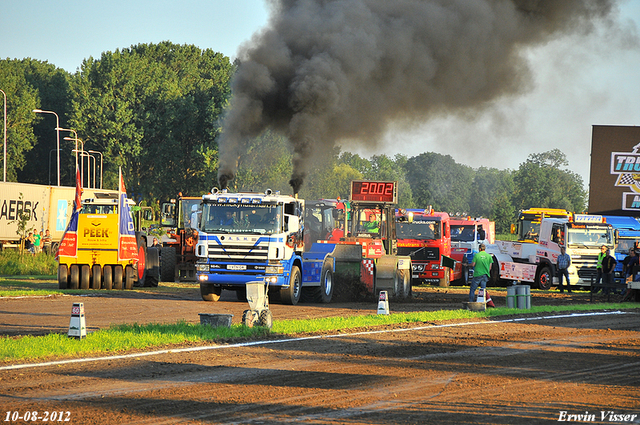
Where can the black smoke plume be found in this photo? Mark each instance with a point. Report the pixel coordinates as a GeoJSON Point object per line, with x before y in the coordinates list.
{"type": "Point", "coordinates": [324, 71]}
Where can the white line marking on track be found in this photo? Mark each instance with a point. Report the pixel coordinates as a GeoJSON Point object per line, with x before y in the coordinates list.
{"type": "Point", "coordinates": [279, 341]}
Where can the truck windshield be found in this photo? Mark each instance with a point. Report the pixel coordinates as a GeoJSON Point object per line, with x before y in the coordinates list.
{"type": "Point", "coordinates": [462, 233]}
{"type": "Point", "coordinates": [624, 245]}
{"type": "Point", "coordinates": [529, 229]}
{"type": "Point", "coordinates": [249, 219]}
{"type": "Point", "coordinates": [590, 236]}
{"type": "Point", "coordinates": [99, 209]}
{"type": "Point", "coordinates": [428, 229]}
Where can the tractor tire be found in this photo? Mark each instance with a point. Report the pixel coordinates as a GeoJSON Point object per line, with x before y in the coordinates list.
{"type": "Point", "coordinates": [107, 278]}
{"type": "Point", "coordinates": [74, 278]}
{"type": "Point", "coordinates": [210, 292]}
{"type": "Point", "coordinates": [117, 277]}
{"type": "Point", "coordinates": [324, 293]}
{"type": "Point", "coordinates": [168, 261]}
{"type": "Point", "coordinates": [291, 294]}
{"type": "Point", "coordinates": [404, 284]}
{"type": "Point", "coordinates": [63, 276]}
{"type": "Point", "coordinates": [96, 276]}
{"type": "Point", "coordinates": [142, 261]}
{"type": "Point", "coordinates": [130, 277]}
{"type": "Point", "coordinates": [153, 268]}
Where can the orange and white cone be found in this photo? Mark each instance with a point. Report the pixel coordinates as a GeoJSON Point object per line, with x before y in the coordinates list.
{"type": "Point", "coordinates": [489, 301]}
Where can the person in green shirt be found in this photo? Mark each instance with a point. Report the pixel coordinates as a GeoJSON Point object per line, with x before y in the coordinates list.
{"type": "Point", "coordinates": [481, 264]}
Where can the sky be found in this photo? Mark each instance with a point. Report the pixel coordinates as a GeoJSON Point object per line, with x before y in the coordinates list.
{"type": "Point", "coordinates": [579, 81]}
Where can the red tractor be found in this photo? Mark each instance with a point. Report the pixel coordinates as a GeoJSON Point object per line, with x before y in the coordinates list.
{"type": "Point", "coordinates": [177, 257]}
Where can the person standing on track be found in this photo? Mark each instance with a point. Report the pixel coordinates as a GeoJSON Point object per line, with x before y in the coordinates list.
{"type": "Point", "coordinates": [481, 264]}
{"type": "Point", "coordinates": [564, 261]}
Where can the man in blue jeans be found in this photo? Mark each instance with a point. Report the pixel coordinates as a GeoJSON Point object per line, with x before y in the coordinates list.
{"type": "Point", "coordinates": [481, 264]}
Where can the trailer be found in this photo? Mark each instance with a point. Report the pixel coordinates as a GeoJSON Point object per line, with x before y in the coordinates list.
{"type": "Point", "coordinates": [48, 208]}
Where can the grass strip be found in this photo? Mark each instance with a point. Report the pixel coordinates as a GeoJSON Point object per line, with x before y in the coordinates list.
{"type": "Point", "coordinates": [120, 338]}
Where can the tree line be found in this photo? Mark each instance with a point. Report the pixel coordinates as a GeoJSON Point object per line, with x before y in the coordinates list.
{"type": "Point", "coordinates": [156, 111]}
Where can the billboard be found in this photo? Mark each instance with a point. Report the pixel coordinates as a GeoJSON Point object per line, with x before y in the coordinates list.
{"type": "Point", "coordinates": [614, 186]}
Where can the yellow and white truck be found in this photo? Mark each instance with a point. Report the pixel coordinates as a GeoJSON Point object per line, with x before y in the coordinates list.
{"type": "Point", "coordinates": [101, 247]}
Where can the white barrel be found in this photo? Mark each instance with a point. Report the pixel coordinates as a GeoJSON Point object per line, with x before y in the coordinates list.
{"type": "Point", "coordinates": [523, 296]}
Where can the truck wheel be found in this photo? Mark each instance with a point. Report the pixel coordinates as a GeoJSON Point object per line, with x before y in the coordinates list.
{"type": "Point", "coordinates": [168, 264]}
{"type": "Point", "coordinates": [325, 291]}
{"type": "Point", "coordinates": [544, 278]}
{"type": "Point", "coordinates": [291, 295]}
{"type": "Point", "coordinates": [130, 277]}
{"type": "Point", "coordinates": [153, 268]}
{"type": "Point", "coordinates": [63, 276]}
{"type": "Point", "coordinates": [210, 292]}
{"type": "Point", "coordinates": [117, 277]}
{"type": "Point", "coordinates": [266, 319]}
{"type": "Point", "coordinates": [74, 280]}
{"type": "Point", "coordinates": [247, 318]}
{"type": "Point", "coordinates": [445, 280]}
{"type": "Point", "coordinates": [107, 279]}
{"type": "Point", "coordinates": [96, 276]}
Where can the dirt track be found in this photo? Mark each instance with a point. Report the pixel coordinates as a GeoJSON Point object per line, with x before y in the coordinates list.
{"type": "Point", "coordinates": [486, 372]}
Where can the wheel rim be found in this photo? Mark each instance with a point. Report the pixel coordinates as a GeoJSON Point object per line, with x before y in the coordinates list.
{"type": "Point", "coordinates": [142, 260]}
{"type": "Point", "coordinates": [296, 286]}
{"type": "Point", "coordinates": [328, 282]}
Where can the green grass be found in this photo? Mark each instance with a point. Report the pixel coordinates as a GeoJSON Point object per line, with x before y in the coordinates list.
{"type": "Point", "coordinates": [14, 264]}
{"type": "Point", "coordinates": [120, 338]}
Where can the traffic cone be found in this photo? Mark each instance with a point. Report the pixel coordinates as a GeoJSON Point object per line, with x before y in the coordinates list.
{"type": "Point", "coordinates": [77, 324]}
{"type": "Point", "coordinates": [383, 303]}
{"type": "Point", "coordinates": [489, 301]}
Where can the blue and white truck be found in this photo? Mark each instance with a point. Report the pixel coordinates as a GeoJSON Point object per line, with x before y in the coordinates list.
{"type": "Point", "coordinates": [628, 232]}
{"type": "Point", "coordinates": [249, 237]}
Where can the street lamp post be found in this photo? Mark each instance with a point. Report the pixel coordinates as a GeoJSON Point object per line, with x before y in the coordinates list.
{"type": "Point", "coordinates": [40, 111]}
{"type": "Point", "coordinates": [100, 153]}
{"type": "Point", "coordinates": [81, 161]}
{"type": "Point", "coordinates": [5, 136]}
{"type": "Point", "coordinates": [52, 150]}
{"type": "Point", "coordinates": [75, 138]}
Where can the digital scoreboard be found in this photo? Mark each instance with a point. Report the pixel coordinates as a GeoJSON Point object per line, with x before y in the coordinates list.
{"type": "Point", "coordinates": [374, 191]}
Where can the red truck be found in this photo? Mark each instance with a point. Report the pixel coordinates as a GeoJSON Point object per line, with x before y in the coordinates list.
{"type": "Point", "coordinates": [467, 234]}
{"type": "Point", "coordinates": [425, 236]}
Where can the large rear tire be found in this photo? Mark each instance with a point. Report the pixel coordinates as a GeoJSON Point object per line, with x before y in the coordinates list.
{"type": "Point", "coordinates": [168, 263]}
{"type": "Point", "coordinates": [266, 319]}
{"type": "Point", "coordinates": [153, 268]}
{"type": "Point", "coordinates": [404, 284]}
{"type": "Point", "coordinates": [291, 294]}
{"type": "Point", "coordinates": [210, 292]}
{"type": "Point", "coordinates": [142, 260]}
{"type": "Point", "coordinates": [85, 276]}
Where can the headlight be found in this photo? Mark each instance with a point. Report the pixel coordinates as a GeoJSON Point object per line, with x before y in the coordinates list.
{"type": "Point", "coordinates": [274, 270]}
{"type": "Point", "coordinates": [202, 267]}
